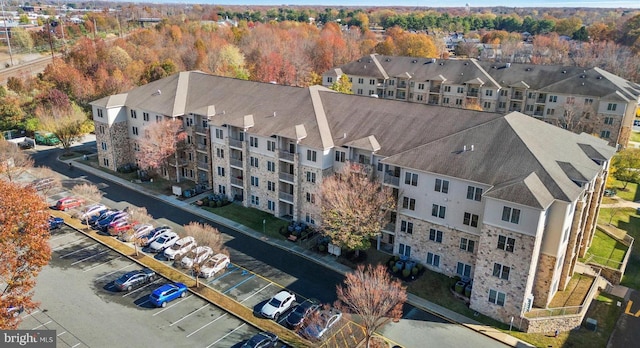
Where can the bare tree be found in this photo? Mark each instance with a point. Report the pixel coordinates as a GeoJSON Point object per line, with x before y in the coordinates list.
{"type": "Point", "coordinates": [53, 178]}
{"type": "Point", "coordinates": [204, 235]}
{"type": "Point", "coordinates": [13, 161]}
{"type": "Point", "coordinates": [160, 143]}
{"type": "Point", "coordinates": [373, 295]}
{"type": "Point", "coordinates": [578, 117]}
{"type": "Point", "coordinates": [354, 207]}
{"type": "Point", "coordinates": [139, 215]}
{"type": "Point", "coordinates": [90, 193]}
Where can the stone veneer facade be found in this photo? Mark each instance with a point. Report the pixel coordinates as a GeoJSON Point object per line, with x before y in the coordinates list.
{"type": "Point", "coordinates": [116, 139]}
{"type": "Point", "coordinates": [544, 278]}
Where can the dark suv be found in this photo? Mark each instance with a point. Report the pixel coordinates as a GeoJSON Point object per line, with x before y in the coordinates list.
{"type": "Point", "coordinates": [135, 279]}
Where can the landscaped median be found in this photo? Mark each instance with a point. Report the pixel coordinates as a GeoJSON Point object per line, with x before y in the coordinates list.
{"type": "Point", "coordinates": [205, 292]}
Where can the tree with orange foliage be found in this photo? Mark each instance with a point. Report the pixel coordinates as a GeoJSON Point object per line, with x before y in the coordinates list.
{"type": "Point", "coordinates": [24, 241]}
{"type": "Point", "coordinates": [160, 143]}
{"type": "Point", "coordinates": [372, 295]}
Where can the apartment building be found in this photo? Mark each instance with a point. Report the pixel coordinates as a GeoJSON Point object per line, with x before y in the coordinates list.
{"type": "Point", "coordinates": [582, 100]}
{"type": "Point", "coordinates": [506, 200]}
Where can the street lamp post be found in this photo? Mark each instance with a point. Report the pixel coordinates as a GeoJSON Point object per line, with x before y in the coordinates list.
{"type": "Point", "coordinates": [6, 32]}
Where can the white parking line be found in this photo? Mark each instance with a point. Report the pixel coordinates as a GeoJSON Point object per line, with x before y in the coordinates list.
{"type": "Point", "coordinates": [89, 257]}
{"type": "Point", "coordinates": [79, 250]}
{"type": "Point", "coordinates": [75, 345]}
{"type": "Point", "coordinates": [116, 271]}
{"type": "Point", "coordinates": [30, 314]}
{"type": "Point", "coordinates": [60, 334]}
{"type": "Point", "coordinates": [179, 320]}
{"type": "Point", "coordinates": [205, 325]}
{"type": "Point", "coordinates": [104, 263]}
{"type": "Point", "coordinates": [39, 326]}
{"type": "Point", "coordinates": [250, 296]}
{"type": "Point", "coordinates": [223, 337]}
{"type": "Point", "coordinates": [68, 244]}
{"type": "Point", "coordinates": [164, 309]}
{"type": "Point", "coordinates": [140, 288]}
{"type": "Point", "coordinates": [61, 236]}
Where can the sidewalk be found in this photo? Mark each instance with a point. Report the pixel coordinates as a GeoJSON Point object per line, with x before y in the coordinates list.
{"type": "Point", "coordinates": [329, 261]}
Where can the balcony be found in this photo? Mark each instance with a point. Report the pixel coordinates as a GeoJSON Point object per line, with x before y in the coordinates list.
{"type": "Point", "coordinates": [540, 100]}
{"type": "Point", "coordinates": [235, 162]}
{"type": "Point", "coordinates": [235, 143]}
{"type": "Point", "coordinates": [204, 165]}
{"type": "Point", "coordinates": [472, 93]}
{"type": "Point", "coordinates": [180, 163]}
{"type": "Point", "coordinates": [517, 96]}
{"type": "Point", "coordinates": [389, 226]}
{"type": "Point", "coordinates": [287, 156]}
{"type": "Point", "coordinates": [202, 130]}
{"type": "Point", "coordinates": [287, 197]}
{"type": "Point", "coordinates": [435, 89]}
{"type": "Point", "coordinates": [286, 177]}
{"type": "Point", "coordinates": [201, 147]}
{"type": "Point", "coordinates": [391, 179]}
{"type": "Point", "coordinates": [237, 182]}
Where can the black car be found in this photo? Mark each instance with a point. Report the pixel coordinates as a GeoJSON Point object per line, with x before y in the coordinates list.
{"type": "Point", "coordinates": [134, 279]}
{"type": "Point", "coordinates": [302, 311]}
{"type": "Point", "coordinates": [261, 340]}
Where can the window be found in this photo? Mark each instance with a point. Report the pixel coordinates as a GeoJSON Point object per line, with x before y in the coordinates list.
{"type": "Point", "coordinates": [390, 93]}
{"type": "Point", "coordinates": [329, 79]}
{"type": "Point", "coordinates": [438, 211]}
{"type": "Point", "coordinates": [502, 105]}
{"type": "Point", "coordinates": [220, 171]}
{"type": "Point", "coordinates": [271, 186]}
{"type": "Point", "coordinates": [253, 141]}
{"type": "Point", "coordinates": [571, 100]}
{"type": "Point", "coordinates": [460, 90]}
{"type": "Point", "coordinates": [271, 166]}
{"type": "Point", "coordinates": [511, 215]}
{"type": "Point", "coordinates": [311, 155]}
{"type": "Point", "coordinates": [158, 118]}
{"type": "Point", "coordinates": [255, 200]}
{"type": "Point", "coordinates": [408, 203]}
{"type": "Point", "coordinates": [404, 250]}
{"type": "Point", "coordinates": [612, 107]}
{"type": "Point", "coordinates": [421, 86]}
{"type": "Point", "coordinates": [474, 193]}
{"type": "Point", "coordinates": [553, 99]}
{"type": "Point", "coordinates": [470, 220]}
{"type": "Point", "coordinates": [588, 101]}
{"type": "Point", "coordinates": [447, 88]}
{"type": "Point", "coordinates": [506, 243]}
{"type": "Point", "coordinates": [504, 92]}
{"type": "Point", "coordinates": [445, 100]}
{"type": "Point", "coordinates": [103, 145]}
{"type": "Point", "coordinates": [271, 145]}
{"type": "Point", "coordinates": [435, 235]}
{"type": "Point", "coordinates": [135, 130]}
{"type": "Point", "coordinates": [188, 121]}
{"type": "Point", "coordinates": [463, 270]}
{"type": "Point", "coordinates": [372, 81]}
{"type": "Point", "coordinates": [136, 147]}
{"type": "Point", "coordinates": [501, 271]}
{"type": "Point", "coordinates": [361, 80]}
{"type": "Point", "coordinates": [458, 101]}
{"type": "Point", "coordinates": [359, 91]}
{"type": "Point", "coordinates": [487, 105]}
{"type": "Point", "coordinates": [488, 92]}
{"type": "Point", "coordinates": [467, 244]}
{"type": "Point", "coordinates": [419, 97]}
{"type": "Point", "coordinates": [222, 189]}
{"type": "Point", "coordinates": [529, 108]}
{"type": "Point", "coordinates": [100, 113]}
{"type": "Point", "coordinates": [433, 260]}
{"type": "Point", "coordinates": [565, 235]}
{"type": "Point", "coordinates": [105, 161]}
{"type": "Point", "coordinates": [255, 181]}
{"type": "Point", "coordinates": [442, 186]}
{"type": "Point", "coordinates": [309, 219]}
{"type": "Point", "coordinates": [145, 116]}
{"type": "Point", "coordinates": [311, 177]}
{"type": "Point", "coordinates": [254, 162]}
{"type": "Point", "coordinates": [134, 114]}
{"type": "Point", "coordinates": [219, 133]}
{"type": "Point", "coordinates": [311, 198]}
{"type": "Point", "coordinates": [411, 179]}
{"type": "Point", "coordinates": [497, 297]}
{"type": "Point", "coordinates": [406, 226]}
{"type": "Point", "coordinates": [551, 111]}
{"type": "Point", "coordinates": [271, 205]}
{"type": "Point", "coordinates": [608, 120]}
{"type": "Point", "coordinates": [605, 134]}
{"type": "Point", "coordinates": [220, 153]}
{"type": "Point", "coordinates": [340, 156]}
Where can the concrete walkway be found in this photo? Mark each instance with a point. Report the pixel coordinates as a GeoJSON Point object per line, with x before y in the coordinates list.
{"type": "Point", "coordinates": [327, 260]}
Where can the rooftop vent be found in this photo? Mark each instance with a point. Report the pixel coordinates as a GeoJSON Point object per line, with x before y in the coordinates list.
{"type": "Point", "coordinates": [466, 63]}
{"type": "Point", "coordinates": [508, 65]}
{"type": "Point", "coordinates": [387, 60]}
{"type": "Point", "coordinates": [441, 63]}
{"type": "Point", "coordinates": [564, 71]}
{"type": "Point", "coordinates": [359, 60]}
{"type": "Point", "coordinates": [461, 73]}
{"type": "Point", "coordinates": [528, 69]}
{"type": "Point", "coordinates": [433, 60]}
{"type": "Point", "coordinates": [158, 92]}
{"type": "Point", "coordinates": [369, 60]}
{"type": "Point", "coordinates": [414, 61]}
{"type": "Point", "coordinates": [494, 67]}
{"type": "Point", "coordinates": [583, 76]}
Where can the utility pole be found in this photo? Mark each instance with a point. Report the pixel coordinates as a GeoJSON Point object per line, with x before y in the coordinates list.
{"type": "Point", "coordinates": [49, 25]}
{"type": "Point", "coordinates": [6, 32]}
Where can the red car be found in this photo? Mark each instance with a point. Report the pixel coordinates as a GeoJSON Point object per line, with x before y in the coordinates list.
{"type": "Point", "coordinates": [117, 227]}
{"type": "Point", "coordinates": [69, 203]}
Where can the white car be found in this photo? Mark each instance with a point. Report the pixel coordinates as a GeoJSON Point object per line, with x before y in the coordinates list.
{"type": "Point", "coordinates": [214, 265]}
{"type": "Point", "coordinates": [92, 210]}
{"type": "Point", "coordinates": [322, 323]}
{"type": "Point", "coordinates": [165, 240]}
{"type": "Point", "coordinates": [139, 232]}
{"type": "Point", "coordinates": [277, 305]}
{"type": "Point", "coordinates": [196, 256]}
{"type": "Point", "coordinates": [182, 246]}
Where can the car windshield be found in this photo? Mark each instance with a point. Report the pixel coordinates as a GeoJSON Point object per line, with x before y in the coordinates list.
{"type": "Point", "coordinates": [275, 302]}
{"type": "Point", "coordinates": [161, 240]}
{"type": "Point", "coordinates": [253, 342]}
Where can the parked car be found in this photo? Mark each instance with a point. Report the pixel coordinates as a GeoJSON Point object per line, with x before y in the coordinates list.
{"type": "Point", "coordinates": [277, 305]}
{"type": "Point", "coordinates": [25, 144]}
{"type": "Point", "coordinates": [92, 210]}
{"type": "Point", "coordinates": [302, 311]}
{"type": "Point", "coordinates": [214, 265]}
{"type": "Point", "coordinates": [181, 247]}
{"type": "Point", "coordinates": [154, 234]}
{"type": "Point", "coordinates": [55, 222]}
{"type": "Point", "coordinates": [46, 138]}
{"type": "Point", "coordinates": [67, 203]}
{"type": "Point", "coordinates": [15, 311]}
{"type": "Point", "coordinates": [261, 340]}
{"type": "Point", "coordinates": [43, 184]}
{"type": "Point", "coordinates": [103, 225]}
{"type": "Point", "coordinates": [166, 293]}
{"type": "Point", "coordinates": [139, 232]}
{"type": "Point", "coordinates": [320, 325]}
{"type": "Point", "coordinates": [95, 220]}
{"type": "Point", "coordinates": [119, 226]}
{"type": "Point", "coordinates": [196, 256]}
{"type": "Point", "coordinates": [165, 240]}
{"type": "Point", "coordinates": [135, 279]}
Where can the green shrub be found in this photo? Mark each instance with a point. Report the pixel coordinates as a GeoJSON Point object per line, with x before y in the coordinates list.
{"type": "Point", "coordinates": [467, 291]}
{"type": "Point", "coordinates": [420, 267]}
{"type": "Point", "coordinates": [459, 287]}
{"type": "Point", "coordinates": [212, 204]}
{"type": "Point", "coordinates": [205, 201]}
{"type": "Point", "coordinates": [395, 269]}
{"type": "Point", "coordinates": [406, 272]}
{"type": "Point", "coordinates": [322, 248]}
{"type": "Point", "coordinates": [396, 258]}
{"type": "Point", "coordinates": [414, 271]}
{"type": "Point", "coordinates": [391, 263]}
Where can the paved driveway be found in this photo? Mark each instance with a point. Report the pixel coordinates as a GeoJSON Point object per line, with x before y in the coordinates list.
{"type": "Point", "coordinates": [627, 331]}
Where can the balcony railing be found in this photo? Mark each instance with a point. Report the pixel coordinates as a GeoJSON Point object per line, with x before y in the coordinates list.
{"type": "Point", "coordinates": [472, 94]}
{"type": "Point", "coordinates": [237, 181]}
{"type": "Point", "coordinates": [202, 130]}
{"type": "Point", "coordinates": [541, 100]}
{"type": "Point", "coordinates": [435, 89]}
{"type": "Point", "coordinates": [235, 162]}
{"type": "Point", "coordinates": [235, 143]}
{"type": "Point", "coordinates": [517, 96]}
{"type": "Point", "coordinates": [204, 165]}
{"type": "Point", "coordinates": [286, 155]}
{"type": "Point", "coordinates": [286, 176]}
{"type": "Point", "coordinates": [286, 197]}
{"type": "Point", "coordinates": [390, 226]}
{"type": "Point", "coordinates": [181, 162]}
{"type": "Point", "coordinates": [391, 179]}
{"type": "Point", "coordinates": [201, 147]}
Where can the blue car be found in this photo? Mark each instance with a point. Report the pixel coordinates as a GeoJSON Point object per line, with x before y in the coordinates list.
{"type": "Point", "coordinates": [55, 222]}
{"type": "Point", "coordinates": [166, 293]}
{"type": "Point", "coordinates": [94, 220]}
{"type": "Point", "coordinates": [103, 225]}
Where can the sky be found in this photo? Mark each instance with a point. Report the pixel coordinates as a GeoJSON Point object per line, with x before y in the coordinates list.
{"type": "Point", "coordinates": [420, 3]}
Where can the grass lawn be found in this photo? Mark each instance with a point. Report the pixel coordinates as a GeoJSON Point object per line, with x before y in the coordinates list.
{"type": "Point", "coordinates": [626, 219]}
{"type": "Point", "coordinates": [251, 218]}
{"type": "Point", "coordinates": [629, 194]}
{"type": "Point", "coordinates": [575, 292]}
{"type": "Point", "coordinates": [635, 136]}
{"type": "Point", "coordinates": [607, 250]}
